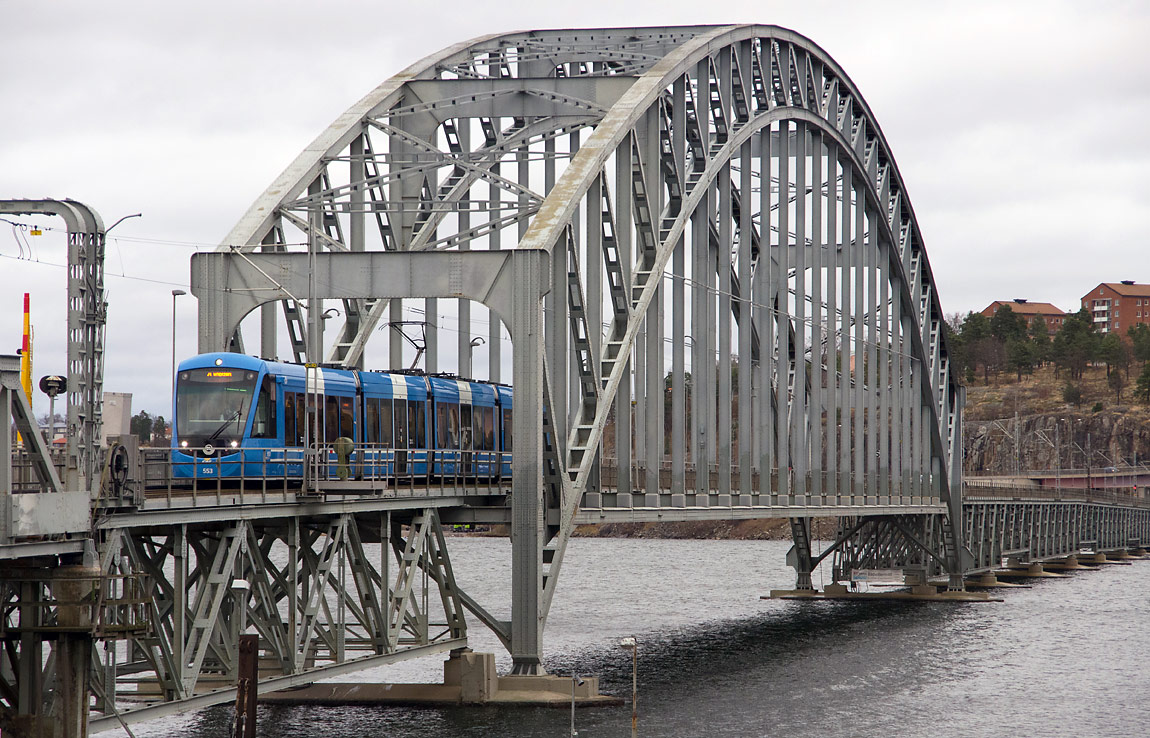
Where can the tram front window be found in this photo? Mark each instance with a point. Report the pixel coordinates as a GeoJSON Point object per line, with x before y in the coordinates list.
{"type": "Point", "coordinates": [212, 405]}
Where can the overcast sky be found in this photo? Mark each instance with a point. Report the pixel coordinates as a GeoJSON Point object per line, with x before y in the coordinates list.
{"type": "Point", "coordinates": [1020, 130]}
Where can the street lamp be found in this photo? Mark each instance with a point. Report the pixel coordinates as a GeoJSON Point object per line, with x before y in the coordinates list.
{"type": "Point", "coordinates": [121, 220]}
{"type": "Point", "coordinates": [175, 294]}
{"type": "Point", "coordinates": [575, 681]}
{"type": "Point", "coordinates": [630, 643]}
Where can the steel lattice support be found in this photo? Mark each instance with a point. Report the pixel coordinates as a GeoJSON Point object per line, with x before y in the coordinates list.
{"type": "Point", "coordinates": [86, 316]}
{"type": "Point", "coordinates": [325, 594]}
{"type": "Point", "coordinates": [739, 314]}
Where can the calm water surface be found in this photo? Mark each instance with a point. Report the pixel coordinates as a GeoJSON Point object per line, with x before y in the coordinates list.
{"type": "Point", "coordinates": [1066, 657]}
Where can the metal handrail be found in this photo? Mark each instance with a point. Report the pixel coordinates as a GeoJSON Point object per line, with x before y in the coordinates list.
{"type": "Point", "coordinates": [251, 475]}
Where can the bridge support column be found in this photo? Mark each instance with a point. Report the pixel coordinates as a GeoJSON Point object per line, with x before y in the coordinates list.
{"type": "Point", "coordinates": [527, 507]}
{"type": "Point", "coordinates": [800, 554]}
{"type": "Point", "coordinates": [73, 587]}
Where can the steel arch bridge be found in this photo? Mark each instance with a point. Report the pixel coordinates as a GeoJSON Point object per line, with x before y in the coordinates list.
{"type": "Point", "coordinates": [702, 252]}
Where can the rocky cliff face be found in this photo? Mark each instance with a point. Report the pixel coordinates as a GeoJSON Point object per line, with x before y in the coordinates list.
{"type": "Point", "coordinates": [1049, 441]}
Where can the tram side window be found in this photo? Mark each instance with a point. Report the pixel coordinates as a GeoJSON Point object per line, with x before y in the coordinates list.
{"type": "Point", "coordinates": [385, 423]}
{"type": "Point", "coordinates": [264, 423]}
{"type": "Point", "coordinates": [506, 430]}
{"type": "Point", "coordinates": [465, 427]}
{"type": "Point", "coordinates": [301, 420]}
{"type": "Point", "coordinates": [371, 421]}
{"type": "Point", "coordinates": [289, 419]}
{"type": "Point", "coordinates": [446, 425]}
{"type": "Point", "coordinates": [331, 424]}
{"type": "Point", "coordinates": [346, 417]}
{"type": "Point", "coordinates": [401, 424]}
{"type": "Point", "coordinates": [484, 435]}
{"type": "Point", "coordinates": [415, 424]}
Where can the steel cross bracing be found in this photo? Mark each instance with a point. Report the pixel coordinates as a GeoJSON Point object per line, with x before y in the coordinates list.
{"type": "Point", "coordinates": [326, 593]}
{"type": "Point", "coordinates": [739, 319]}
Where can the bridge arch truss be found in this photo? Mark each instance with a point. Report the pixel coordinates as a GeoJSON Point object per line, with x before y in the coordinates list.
{"type": "Point", "coordinates": [740, 318]}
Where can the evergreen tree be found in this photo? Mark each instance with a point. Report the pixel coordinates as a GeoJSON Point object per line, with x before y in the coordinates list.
{"type": "Point", "coordinates": [1117, 383]}
{"type": "Point", "coordinates": [1007, 325]}
{"type": "Point", "coordinates": [1040, 339]}
{"type": "Point", "coordinates": [991, 354]}
{"type": "Point", "coordinates": [979, 345]}
{"type": "Point", "coordinates": [1020, 357]}
{"type": "Point", "coordinates": [1139, 335]}
{"type": "Point", "coordinates": [141, 426]}
{"type": "Point", "coordinates": [1110, 351]}
{"type": "Point", "coordinates": [1075, 344]}
{"type": "Point", "coordinates": [1142, 388]}
{"type": "Point", "coordinates": [974, 328]}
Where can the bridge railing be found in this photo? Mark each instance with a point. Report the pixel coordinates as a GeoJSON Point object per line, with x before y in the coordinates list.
{"type": "Point", "coordinates": [818, 488]}
{"type": "Point", "coordinates": [266, 475]}
{"type": "Point", "coordinates": [976, 490]}
{"type": "Point", "coordinates": [24, 477]}
{"type": "Point", "coordinates": [1103, 474]}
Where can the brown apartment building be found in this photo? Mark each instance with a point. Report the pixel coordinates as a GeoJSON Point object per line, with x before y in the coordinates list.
{"type": "Point", "coordinates": [1030, 310]}
{"type": "Point", "coordinates": [1115, 306]}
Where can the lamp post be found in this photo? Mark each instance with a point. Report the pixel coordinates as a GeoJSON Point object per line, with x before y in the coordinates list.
{"type": "Point", "coordinates": [631, 644]}
{"type": "Point", "coordinates": [575, 680]}
{"type": "Point", "coordinates": [175, 294]}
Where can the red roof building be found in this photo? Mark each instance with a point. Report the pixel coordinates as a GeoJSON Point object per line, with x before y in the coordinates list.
{"type": "Point", "coordinates": [1030, 310]}
{"type": "Point", "coordinates": [1115, 306]}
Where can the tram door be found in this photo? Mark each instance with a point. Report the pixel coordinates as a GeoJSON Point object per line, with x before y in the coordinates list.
{"type": "Point", "coordinates": [401, 438]}
{"type": "Point", "coordinates": [465, 440]}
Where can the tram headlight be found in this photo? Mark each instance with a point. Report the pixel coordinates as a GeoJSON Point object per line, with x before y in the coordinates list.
{"type": "Point", "coordinates": [235, 444]}
{"type": "Point", "coordinates": [183, 444]}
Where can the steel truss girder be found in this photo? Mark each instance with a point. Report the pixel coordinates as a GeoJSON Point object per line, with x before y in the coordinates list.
{"type": "Point", "coordinates": [699, 99]}
{"type": "Point", "coordinates": [1033, 531]}
{"type": "Point", "coordinates": [908, 542]}
{"type": "Point", "coordinates": [450, 196]}
{"type": "Point", "coordinates": [585, 435]}
{"type": "Point", "coordinates": [294, 592]}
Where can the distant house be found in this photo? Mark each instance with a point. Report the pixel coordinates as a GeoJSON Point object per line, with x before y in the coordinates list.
{"type": "Point", "coordinates": [1115, 306]}
{"type": "Point", "coordinates": [1030, 310]}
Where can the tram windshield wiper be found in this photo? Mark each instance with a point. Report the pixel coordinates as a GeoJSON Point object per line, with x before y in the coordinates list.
{"type": "Point", "coordinates": [234, 416]}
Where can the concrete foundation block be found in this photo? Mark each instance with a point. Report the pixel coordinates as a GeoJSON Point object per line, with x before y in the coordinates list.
{"type": "Point", "coordinates": [539, 686]}
{"type": "Point", "coordinates": [474, 674]}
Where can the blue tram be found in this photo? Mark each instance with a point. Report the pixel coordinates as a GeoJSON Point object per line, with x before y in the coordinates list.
{"type": "Point", "coordinates": [239, 417]}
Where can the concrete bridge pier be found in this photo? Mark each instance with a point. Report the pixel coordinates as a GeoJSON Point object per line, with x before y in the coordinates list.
{"type": "Point", "coordinates": [799, 557]}
{"type": "Point", "coordinates": [1070, 563]}
{"type": "Point", "coordinates": [990, 580]}
{"type": "Point", "coordinates": [1111, 556]}
{"type": "Point", "coordinates": [73, 587]}
{"type": "Point", "coordinates": [1026, 570]}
